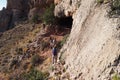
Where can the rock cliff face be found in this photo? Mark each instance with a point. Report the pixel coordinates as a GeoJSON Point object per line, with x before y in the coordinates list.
{"type": "Point", "coordinates": [15, 12]}
{"type": "Point", "coordinates": [37, 7]}
{"type": "Point", "coordinates": [66, 8]}
{"type": "Point", "coordinates": [92, 51]}
{"type": "Point", "coordinates": [20, 10]}
{"type": "Point", "coordinates": [5, 17]}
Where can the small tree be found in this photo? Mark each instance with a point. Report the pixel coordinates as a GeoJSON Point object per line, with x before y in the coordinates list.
{"type": "Point", "coordinates": [48, 16]}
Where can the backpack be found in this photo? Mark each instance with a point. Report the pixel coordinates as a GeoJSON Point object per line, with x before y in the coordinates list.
{"type": "Point", "coordinates": [54, 51]}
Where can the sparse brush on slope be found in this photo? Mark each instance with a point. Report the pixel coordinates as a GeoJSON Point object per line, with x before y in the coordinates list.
{"type": "Point", "coordinates": [114, 5]}
{"type": "Point", "coordinates": [35, 18]}
{"type": "Point", "coordinates": [100, 1]}
{"type": "Point", "coordinates": [33, 74]}
{"type": "Point", "coordinates": [35, 60]}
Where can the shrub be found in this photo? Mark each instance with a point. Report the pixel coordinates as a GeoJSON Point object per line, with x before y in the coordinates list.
{"type": "Point", "coordinates": [19, 50]}
{"type": "Point", "coordinates": [14, 62]}
{"type": "Point", "coordinates": [116, 77]}
{"type": "Point", "coordinates": [35, 60]}
{"type": "Point", "coordinates": [100, 1]}
{"type": "Point", "coordinates": [35, 18]}
{"type": "Point", "coordinates": [115, 5]}
{"type": "Point", "coordinates": [115, 8]}
{"type": "Point", "coordinates": [48, 17]}
{"type": "Point", "coordinates": [43, 45]}
{"type": "Point", "coordinates": [33, 74]}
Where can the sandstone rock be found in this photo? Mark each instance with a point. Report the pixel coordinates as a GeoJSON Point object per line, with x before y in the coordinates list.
{"type": "Point", "coordinates": [66, 7]}
{"type": "Point", "coordinates": [92, 44]}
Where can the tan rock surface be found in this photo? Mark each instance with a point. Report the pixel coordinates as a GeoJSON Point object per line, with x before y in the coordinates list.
{"type": "Point", "coordinates": [93, 46]}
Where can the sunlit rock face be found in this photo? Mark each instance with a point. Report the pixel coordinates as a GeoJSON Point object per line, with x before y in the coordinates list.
{"type": "Point", "coordinates": [92, 51]}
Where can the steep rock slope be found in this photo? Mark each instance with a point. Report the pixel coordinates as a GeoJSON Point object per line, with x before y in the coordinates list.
{"type": "Point", "coordinates": [92, 50]}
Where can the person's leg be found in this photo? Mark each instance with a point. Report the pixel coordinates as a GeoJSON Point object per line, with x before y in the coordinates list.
{"type": "Point", "coordinates": [52, 59]}
{"type": "Point", "coordinates": [55, 59]}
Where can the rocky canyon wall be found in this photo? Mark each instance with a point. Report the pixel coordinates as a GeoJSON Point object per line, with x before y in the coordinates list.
{"type": "Point", "coordinates": [14, 12]}
{"type": "Point", "coordinates": [21, 10]}
{"type": "Point", "coordinates": [92, 51]}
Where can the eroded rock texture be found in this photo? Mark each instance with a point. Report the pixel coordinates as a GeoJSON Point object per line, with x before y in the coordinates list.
{"type": "Point", "coordinates": [92, 50]}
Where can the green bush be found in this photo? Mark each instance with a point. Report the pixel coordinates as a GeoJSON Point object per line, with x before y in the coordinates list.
{"type": "Point", "coordinates": [35, 18]}
{"type": "Point", "coordinates": [48, 16]}
{"type": "Point", "coordinates": [35, 75]}
{"type": "Point", "coordinates": [35, 60]}
{"type": "Point", "coordinates": [116, 77]}
{"type": "Point", "coordinates": [115, 8]}
{"type": "Point", "coordinates": [43, 45]}
{"type": "Point", "coordinates": [115, 4]}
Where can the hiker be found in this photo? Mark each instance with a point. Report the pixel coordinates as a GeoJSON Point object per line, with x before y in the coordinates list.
{"type": "Point", "coordinates": [54, 55]}
{"type": "Point", "coordinates": [52, 42]}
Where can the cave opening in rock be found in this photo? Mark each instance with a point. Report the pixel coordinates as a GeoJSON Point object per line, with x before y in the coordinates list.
{"type": "Point", "coordinates": [65, 22]}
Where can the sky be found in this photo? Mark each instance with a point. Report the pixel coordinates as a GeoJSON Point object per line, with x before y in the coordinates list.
{"type": "Point", "coordinates": [2, 4]}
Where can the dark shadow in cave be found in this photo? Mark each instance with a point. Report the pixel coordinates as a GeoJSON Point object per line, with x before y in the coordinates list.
{"type": "Point", "coordinates": [65, 22]}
